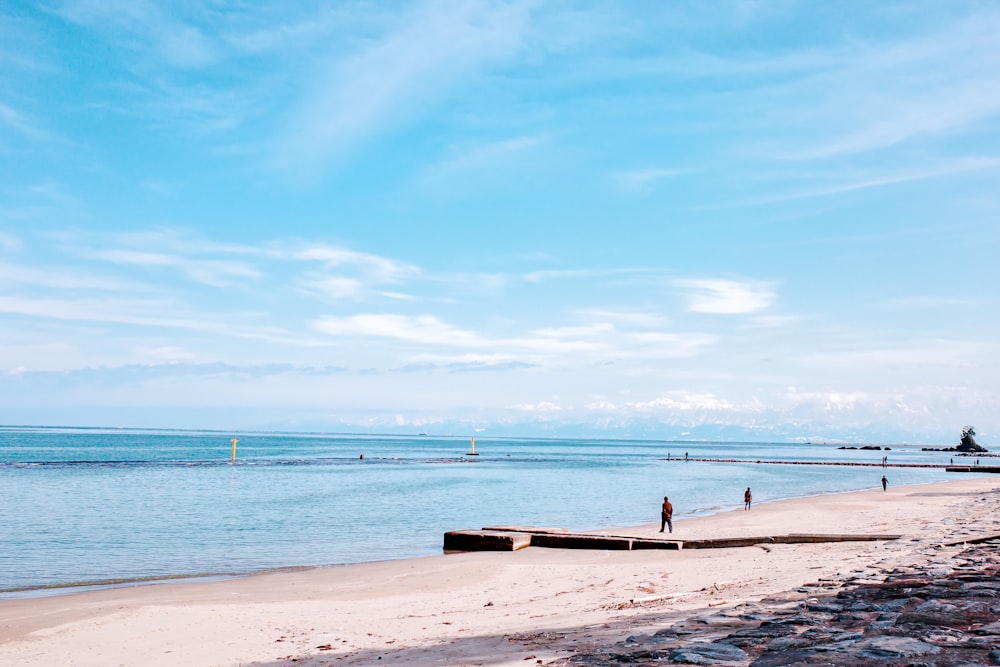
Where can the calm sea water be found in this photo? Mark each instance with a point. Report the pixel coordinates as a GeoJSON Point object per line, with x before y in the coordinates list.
{"type": "Point", "coordinates": [96, 505]}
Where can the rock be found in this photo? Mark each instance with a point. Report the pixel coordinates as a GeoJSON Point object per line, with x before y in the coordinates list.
{"type": "Point", "coordinates": [917, 616]}
{"type": "Point", "coordinates": [707, 654]}
{"type": "Point", "coordinates": [894, 647]}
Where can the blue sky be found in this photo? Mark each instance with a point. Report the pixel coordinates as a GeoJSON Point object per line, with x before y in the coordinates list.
{"type": "Point", "coordinates": [631, 219]}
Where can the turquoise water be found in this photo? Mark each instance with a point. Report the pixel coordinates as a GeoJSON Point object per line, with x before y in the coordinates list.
{"type": "Point", "coordinates": [96, 505]}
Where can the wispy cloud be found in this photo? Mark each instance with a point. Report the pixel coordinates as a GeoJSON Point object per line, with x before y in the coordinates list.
{"type": "Point", "coordinates": [595, 341]}
{"type": "Point", "coordinates": [424, 329]}
{"type": "Point", "coordinates": [62, 278]}
{"type": "Point", "coordinates": [376, 267]}
{"type": "Point", "coordinates": [572, 274]}
{"type": "Point", "coordinates": [409, 68]}
{"type": "Point", "coordinates": [206, 271]}
{"type": "Point", "coordinates": [490, 164]}
{"type": "Point", "coordinates": [146, 313]}
{"type": "Point", "coordinates": [841, 183]}
{"type": "Point", "coordinates": [147, 27]}
{"type": "Point", "coordinates": [643, 180]}
{"type": "Point", "coordinates": [726, 297]}
{"type": "Point", "coordinates": [20, 123]}
{"type": "Point", "coordinates": [666, 345]}
{"type": "Point", "coordinates": [913, 353]}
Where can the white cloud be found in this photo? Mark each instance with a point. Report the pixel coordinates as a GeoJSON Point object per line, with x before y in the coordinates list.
{"type": "Point", "coordinates": [576, 332]}
{"type": "Point", "coordinates": [466, 358]}
{"type": "Point", "coordinates": [726, 297]}
{"type": "Point", "coordinates": [337, 287]}
{"type": "Point", "coordinates": [665, 345]}
{"type": "Point", "coordinates": [424, 329]}
{"type": "Point", "coordinates": [569, 274]}
{"type": "Point", "coordinates": [542, 407]}
{"type": "Point", "coordinates": [208, 271]}
{"type": "Point", "coordinates": [909, 353]}
{"type": "Point", "coordinates": [628, 318]}
{"type": "Point", "coordinates": [376, 267]}
{"type": "Point", "coordinates": [60, 278]}
{"type": "Point", "coordinates": [681, 401]}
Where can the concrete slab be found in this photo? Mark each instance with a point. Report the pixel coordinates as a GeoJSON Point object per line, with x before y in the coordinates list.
{"type": "Point", "coordinates": [670, 545]}
{"type": "Point", "coordinates": [578, 541]}
{"type": "Point", "coordinates": [525, 529]}
{"type": "Point", "coordinates": [482, 540]}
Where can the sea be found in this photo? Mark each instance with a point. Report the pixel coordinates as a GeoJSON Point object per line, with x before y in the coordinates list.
{"type": "Point", "coordinates": [86, 508]}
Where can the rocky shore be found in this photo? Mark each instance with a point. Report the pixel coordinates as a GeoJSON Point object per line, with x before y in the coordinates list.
{"type": "Point", "coordinates": [943, 612]}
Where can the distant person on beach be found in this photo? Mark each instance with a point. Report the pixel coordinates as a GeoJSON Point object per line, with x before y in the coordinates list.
{"type": "Point", "coordinates": [685, 456]}
{"type": "Point", "coordinates": [667, 515]}
{"type": "Point", "coordinates": [747, 498]}
{"type": "Point", "coordinates": [885, 482]}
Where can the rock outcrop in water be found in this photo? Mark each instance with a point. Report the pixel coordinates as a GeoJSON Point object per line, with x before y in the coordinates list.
{"type": "Point", "coordinates": [968, 443]}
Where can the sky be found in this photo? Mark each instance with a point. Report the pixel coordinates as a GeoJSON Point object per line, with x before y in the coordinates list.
{"type": "Point", "coordinates": [734, 219]}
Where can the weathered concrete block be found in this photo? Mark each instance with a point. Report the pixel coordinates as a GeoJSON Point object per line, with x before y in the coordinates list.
{"type": "Point", "coordinates": [569, 541]}
{"type": "Point", "coordinates": [482, 540]}
{"type": "Point", "coordinates": [727, 542]}
{"type": "Point", "coordinates": [640, 543]}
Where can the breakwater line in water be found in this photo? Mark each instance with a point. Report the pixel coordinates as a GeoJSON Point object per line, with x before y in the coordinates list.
{"type": "Point", "coordinates": [852, 464]}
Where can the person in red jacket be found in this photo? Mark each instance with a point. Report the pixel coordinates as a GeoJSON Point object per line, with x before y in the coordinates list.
{"type": "Point", "coordinates": [667, 515]}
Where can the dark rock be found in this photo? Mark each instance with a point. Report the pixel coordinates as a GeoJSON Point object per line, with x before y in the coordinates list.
{"type": "Point", "coordinates": [638, 656]}
{"type": "Point", "coordinates": [783, 658]}
{"type": "Point", "coordinates": [894, 647]}
{"type": "Point", "coordinates": [918, 616]}
{"type": "Point", "coordinates": [824, 605]}
{"type": "Point", "coordinates": [707, 654]}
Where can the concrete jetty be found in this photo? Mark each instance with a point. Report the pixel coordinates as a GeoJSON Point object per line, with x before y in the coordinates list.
{"type": "Point", "coordinates": [513, 538]}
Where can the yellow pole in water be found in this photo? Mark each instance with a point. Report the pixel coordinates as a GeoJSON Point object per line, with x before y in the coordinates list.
{"type": "Point", "coordinates": [234, 450]}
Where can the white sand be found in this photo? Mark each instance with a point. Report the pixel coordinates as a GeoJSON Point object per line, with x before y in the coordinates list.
{"type": "Point", "coordinates": [491, 608]}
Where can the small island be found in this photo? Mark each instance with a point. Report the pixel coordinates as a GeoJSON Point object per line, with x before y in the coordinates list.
{"type": "Point", "coordinates": [967, 444]}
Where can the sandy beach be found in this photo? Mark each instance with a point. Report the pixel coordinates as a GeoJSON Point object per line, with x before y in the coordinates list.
{"type": "Point", "coordinates": [527, 607]}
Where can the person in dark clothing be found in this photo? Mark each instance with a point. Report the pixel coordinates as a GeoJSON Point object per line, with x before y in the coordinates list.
{"type": "Point", "coordinates": [885, 482]}
{"type": "Point", "coordinates": [747, 498]}
{"type": "Point", "coordinates": [667, 515]}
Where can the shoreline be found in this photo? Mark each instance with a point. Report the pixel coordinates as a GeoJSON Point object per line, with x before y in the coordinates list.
{"type": "Point", "coordinates": [113, 583]}
{"type": "Point", "coordinates": [496, 608]}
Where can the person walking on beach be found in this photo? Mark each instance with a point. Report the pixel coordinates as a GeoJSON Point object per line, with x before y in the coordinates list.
{"type": "Point", "coordinates": [885, 482]}
{"type": "Point", "coordinates": [747, 498]}
{"type": "Point", "coordinates": [667, 515]}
